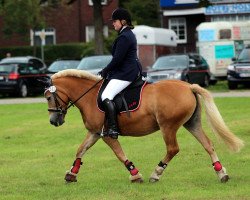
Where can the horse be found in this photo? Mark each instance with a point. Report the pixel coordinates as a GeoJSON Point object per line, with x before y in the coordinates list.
{"type": "Point", "coordinates": [165, 105]}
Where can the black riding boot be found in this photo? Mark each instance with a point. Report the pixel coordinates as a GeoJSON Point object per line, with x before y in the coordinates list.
{"type": "Point", "coordinates": [111, 116]}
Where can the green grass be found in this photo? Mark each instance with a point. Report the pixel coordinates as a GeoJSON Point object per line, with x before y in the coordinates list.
{"type": "Point", "coordinates": [221, 86]}
{"type": "Point", "coordinates": [35, 155]}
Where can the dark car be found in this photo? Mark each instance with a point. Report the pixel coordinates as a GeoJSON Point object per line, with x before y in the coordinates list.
{"type": "Point", "coordinates": [59, 65]}
{"type": "Point", "coordinates": [94, 64]}
{"type": "Point", "coordinates": [239, 71]}
{"type": "Point", "coordinates": [19, 76]}
{"type": "Point", "coordinates": [189, 67]}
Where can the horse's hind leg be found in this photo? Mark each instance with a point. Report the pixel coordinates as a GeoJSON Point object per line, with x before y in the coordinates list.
{"type": "Point", "coordinates": [88, 142]}
{"type": "Point", "coordinates": [194, 126]}
{"type": "Point", "coordinates": [135, 176]}
{"type": "Point", "coordinates": [169, 136]}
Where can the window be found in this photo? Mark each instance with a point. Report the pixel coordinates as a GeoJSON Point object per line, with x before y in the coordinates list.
{"type": "Point", "coordinates": [48, 34]}
{"type": "Point", "coordinates": [103, 2]}
{"type": "Point", "coordinates": [23, 68]}
{"type": "Point", "coordinates": [225, 34]}
{"type": "Point", "coordinates": [90, 32]}
{"type": "Point", "coordinates": [178, 25]}
{"type": "Point", "coordinates": [230, 18]}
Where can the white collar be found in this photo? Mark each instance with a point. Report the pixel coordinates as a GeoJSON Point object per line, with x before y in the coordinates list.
{"type": "Point", "coordinates": [123, 28]}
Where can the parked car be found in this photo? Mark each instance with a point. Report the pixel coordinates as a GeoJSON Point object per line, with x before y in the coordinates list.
{"type": "Point", "coordinates": [188, 67]}
{"type": "Point", "coordinates": [239, 71]}
{"type": "Point", "coordinates": [59, 65]}
{"type": "Point", "coordinates": [94, 64]}
{"type": "Point", "coordinates": [19, 76]}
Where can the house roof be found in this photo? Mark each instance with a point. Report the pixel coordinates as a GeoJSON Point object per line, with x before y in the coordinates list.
{"type": "Point", "coordinates": [181, 12]}
{"type": "Point", "coordinates": [147, 35]}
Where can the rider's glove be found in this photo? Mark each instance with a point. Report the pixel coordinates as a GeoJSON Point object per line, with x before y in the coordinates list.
{"type": "Point", "coordinates": [103, 73]}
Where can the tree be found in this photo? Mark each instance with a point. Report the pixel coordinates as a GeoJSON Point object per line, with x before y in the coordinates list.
{"type": "Point", "coordinates": [146, 12]}
{"type": "Point", "coordinates": [204, 3]}
{"type": "Point", "coordinates": [21, 16]}
{"type": "Point", "coordinates": [98, 23]}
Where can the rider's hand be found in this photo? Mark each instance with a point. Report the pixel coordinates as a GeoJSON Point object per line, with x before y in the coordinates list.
{"type": "Point", "coordinates": [103, 73]}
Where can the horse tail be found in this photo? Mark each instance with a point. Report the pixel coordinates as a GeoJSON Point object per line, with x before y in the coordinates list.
{"type": "Point", "coordinates": [216, 121]}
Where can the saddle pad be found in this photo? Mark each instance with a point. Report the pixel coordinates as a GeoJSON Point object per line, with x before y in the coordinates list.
{"type": "Point", "coordinates": [132, 96]}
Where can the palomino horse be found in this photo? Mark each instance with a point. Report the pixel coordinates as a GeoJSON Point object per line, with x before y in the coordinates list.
{"type": "Point", "coordinates": [165, 106]}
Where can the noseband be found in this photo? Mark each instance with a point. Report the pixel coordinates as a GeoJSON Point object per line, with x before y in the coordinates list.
{"type": "Point", "coordinates": [59, 109]}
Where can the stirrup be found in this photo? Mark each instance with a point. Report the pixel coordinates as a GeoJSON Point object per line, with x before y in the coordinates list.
{"type": "Point", "coordinates": [113, 133]}
{"type": "Point", "coordinates": [110, 133]}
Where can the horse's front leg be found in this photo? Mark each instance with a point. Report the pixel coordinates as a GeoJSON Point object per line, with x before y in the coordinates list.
{"type": "Point", "coordinates": [135, 176]}
{"type": "Point", "coordinates": [88, 142]}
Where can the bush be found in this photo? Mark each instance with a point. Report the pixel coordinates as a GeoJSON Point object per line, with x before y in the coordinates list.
{"type": "Point", "coordinates": [59, 51]}
{"type": "Point", "coordinates": [63, 51]}
{"type": "Point", "coordinates": [51, 52]}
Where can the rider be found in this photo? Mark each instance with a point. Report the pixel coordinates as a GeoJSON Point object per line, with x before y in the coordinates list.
{"type": "Point", "coordinates": [123, 68]}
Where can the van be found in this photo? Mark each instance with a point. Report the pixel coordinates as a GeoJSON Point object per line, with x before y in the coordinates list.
{"type": "Point", "coordinates": [239, 71]}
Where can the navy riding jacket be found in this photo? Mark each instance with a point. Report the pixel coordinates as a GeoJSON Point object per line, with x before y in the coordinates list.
{"type": "Point", "coordinates": [124, 64]}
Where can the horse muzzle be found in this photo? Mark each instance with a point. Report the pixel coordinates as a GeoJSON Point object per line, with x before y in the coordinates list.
{"type": "Point", "coordinates": [57, 119]}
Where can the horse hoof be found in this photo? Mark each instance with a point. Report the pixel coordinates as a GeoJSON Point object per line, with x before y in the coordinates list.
{"type": "Point", "coordinates": [153, 180]}
{"type": "Point", "coordinates": [69, 178]}
{"type": "Point", "coordinates": [136, 178]}
{"type": "Point", "coordinates": [139, 180]}
{"type": "Point", "coordinates": [224, 179]}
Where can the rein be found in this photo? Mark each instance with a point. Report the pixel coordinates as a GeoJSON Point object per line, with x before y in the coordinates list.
{"type": "Point", "coordinates": [59, 107]}
{"type": "Point", "coordinates": [72, 103]}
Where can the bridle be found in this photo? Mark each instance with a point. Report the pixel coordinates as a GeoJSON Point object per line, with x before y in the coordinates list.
{"type": "Point", "coordinates": [59, 108]}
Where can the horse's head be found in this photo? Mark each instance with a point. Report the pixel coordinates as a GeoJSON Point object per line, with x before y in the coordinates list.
{"type": "Point", "coordinates": [57, 93]}
{"type": "Point", "coordinates": [57, 105]}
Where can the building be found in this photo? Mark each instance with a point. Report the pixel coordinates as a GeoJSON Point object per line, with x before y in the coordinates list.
{"type": "Point", "coordinates": [183, 16]}
{"type": "Point", "coordinates": [65, 24]}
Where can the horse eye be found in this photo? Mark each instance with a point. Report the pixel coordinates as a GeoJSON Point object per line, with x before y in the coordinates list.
{"type": "Point", "coordinates": [48, 98]}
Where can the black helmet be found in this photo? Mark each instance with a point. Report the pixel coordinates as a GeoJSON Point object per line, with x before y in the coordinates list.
{"type": "Point", "coordinates": [122, 14]}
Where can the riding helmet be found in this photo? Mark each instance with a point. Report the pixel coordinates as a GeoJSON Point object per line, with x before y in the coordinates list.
{"type": "Point", "coordinates": [122, 14]}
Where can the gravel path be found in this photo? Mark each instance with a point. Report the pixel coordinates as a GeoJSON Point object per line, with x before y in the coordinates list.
{"type": "Point", "coordinates": [232, 94]}
{"type": "Point", "coordinates": [43, 100]}
{"type": "Point", "coordinates": [22, 100]}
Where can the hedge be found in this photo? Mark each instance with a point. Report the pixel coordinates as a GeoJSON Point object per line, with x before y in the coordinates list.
{"type": "Point", "coordinates": [54, 52]}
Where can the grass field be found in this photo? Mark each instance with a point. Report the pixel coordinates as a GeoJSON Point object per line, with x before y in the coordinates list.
{"type": "Point", "coordinates": [35, 155]}
{"type": "Point", "coordinates": [221, 86]}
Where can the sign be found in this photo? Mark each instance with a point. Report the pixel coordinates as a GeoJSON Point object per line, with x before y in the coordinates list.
{"type": "Point", "coordinates": [228, 9]}
{"type": "Point", "coordinates": [224, 51]}
{"type": "Point", "coordinates": [42, 36]}
{"type": "Point", "coordinates": [173, 3]}
{"type": "Point", "coordinates": [227, 1]}
{"type": "Point", "coordinates": [186, 1]}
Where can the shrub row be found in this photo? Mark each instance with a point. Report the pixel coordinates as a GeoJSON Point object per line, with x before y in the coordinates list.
{"type": "Point", "coordinates": [54, 52]}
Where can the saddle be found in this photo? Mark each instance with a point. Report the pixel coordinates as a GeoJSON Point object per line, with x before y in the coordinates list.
{"type": "Point", "coordinates": [127, 100]}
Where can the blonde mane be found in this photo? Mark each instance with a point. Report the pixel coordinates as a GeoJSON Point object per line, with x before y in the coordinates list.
{"type": "Point", "coordinates": [76, 73]}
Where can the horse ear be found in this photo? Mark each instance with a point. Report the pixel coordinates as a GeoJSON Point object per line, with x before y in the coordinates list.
{"type": "Point", "coordinates": [46, 81]}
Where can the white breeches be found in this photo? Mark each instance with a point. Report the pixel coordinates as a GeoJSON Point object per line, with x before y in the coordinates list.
{"type": "Point", "coordinates": [113, 88]}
